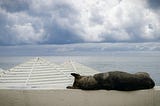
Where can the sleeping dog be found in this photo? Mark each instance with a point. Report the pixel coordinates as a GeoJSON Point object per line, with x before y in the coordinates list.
{"type": "Point", "coordinates": [115, 80]}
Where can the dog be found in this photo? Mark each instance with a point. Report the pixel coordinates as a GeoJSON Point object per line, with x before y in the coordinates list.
{"type": "Point", "coordinates": [114, 80]}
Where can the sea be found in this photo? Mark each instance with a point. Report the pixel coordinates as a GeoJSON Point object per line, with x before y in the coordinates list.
{"type": "Point", "coordinates": [113, 61]}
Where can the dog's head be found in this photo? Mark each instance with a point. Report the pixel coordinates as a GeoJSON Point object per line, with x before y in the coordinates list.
{"type": "Point", "coordinates": [83, 82]}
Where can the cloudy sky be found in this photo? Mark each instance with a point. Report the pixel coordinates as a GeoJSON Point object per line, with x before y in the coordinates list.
{"type": "Point", "coordinates": [39, 22]}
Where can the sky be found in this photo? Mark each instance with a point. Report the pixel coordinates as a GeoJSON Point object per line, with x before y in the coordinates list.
{"type": "Point", "coordinates": [80, 22]}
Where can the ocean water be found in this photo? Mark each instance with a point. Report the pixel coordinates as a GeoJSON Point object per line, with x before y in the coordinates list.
{"type": "Point", "coordinates": [120, 61]}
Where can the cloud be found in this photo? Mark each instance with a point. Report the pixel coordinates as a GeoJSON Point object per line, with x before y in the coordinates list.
{"type": "Point", "coordinates": [14, 5]}
{"type": "Point", "coordinates": [26, 33]}
{"type": "Point", "coordinates": [155, 4]}
{"type": "Point", "coordinates": [126, 21]}
{"type": "Point", "coordinates": [80, 21]}
{"type": "Point", "coordinates": [19, 28]}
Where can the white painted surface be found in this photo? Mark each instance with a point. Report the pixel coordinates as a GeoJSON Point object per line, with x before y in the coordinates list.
{"type": "Point", "coordinates": [40, 73]}
{"type": "Point", "coordinates": [79, 98]}
{"type": "Point", "coordinates": [79, 68]}
{"type": "Point", "coordinates": [36, 73]}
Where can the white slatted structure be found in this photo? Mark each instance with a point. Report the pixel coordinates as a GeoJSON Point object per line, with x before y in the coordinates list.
{"type": "Point", "coordinates": [79, 68]}
{"type": "Point", "coordinates": [36, 73]}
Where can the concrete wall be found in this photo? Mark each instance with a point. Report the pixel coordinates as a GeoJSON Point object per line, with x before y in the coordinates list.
{"type": "Point", "coordinates": [79, 98]}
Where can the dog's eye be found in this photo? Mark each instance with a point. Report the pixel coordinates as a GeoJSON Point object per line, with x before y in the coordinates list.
{"type": "Point", "coordinates": [76, 84]}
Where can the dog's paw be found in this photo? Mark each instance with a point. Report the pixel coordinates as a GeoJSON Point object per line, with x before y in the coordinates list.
{"type": "Point", "coordinates": [69, 87]}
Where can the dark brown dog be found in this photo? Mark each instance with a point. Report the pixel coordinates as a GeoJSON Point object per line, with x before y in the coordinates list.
{"type": "Point", "coordinates": [115, 80]}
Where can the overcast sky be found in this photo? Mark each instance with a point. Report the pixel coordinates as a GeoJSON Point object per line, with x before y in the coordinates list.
{"type": "Point", "coordinates": [76, 26]}
{"type": "Point", "coordinates": [78, 21]}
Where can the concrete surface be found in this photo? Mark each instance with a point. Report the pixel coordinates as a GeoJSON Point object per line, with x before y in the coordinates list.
{"type": "Point", "coordinates": [50, 97]}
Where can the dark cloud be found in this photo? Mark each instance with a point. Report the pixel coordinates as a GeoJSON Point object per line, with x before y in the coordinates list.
{"type": "Point", "coordinates": [14, 5]}
{"type": "Point", "coordinates": [58, 35]}
{"type": "Point", "coordinates": [155, 4]}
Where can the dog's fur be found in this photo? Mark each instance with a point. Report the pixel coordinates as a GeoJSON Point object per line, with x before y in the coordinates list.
{"type": "Point", "coordinates": [115, 80]}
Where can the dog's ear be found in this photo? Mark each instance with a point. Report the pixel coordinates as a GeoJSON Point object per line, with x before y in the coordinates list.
{"type": "Point", "coordinates": [75, 75]}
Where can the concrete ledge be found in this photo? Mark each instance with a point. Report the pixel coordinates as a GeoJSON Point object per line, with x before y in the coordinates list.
{"type": "Point", "coordinates": [73, 97]}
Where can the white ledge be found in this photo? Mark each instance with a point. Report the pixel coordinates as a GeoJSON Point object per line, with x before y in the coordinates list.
{"type": "Point", "coordinates": [75, 97]}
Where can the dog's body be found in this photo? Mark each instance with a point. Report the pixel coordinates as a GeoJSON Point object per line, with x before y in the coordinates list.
{"type": "Point", "coordinates": [115, 80]}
